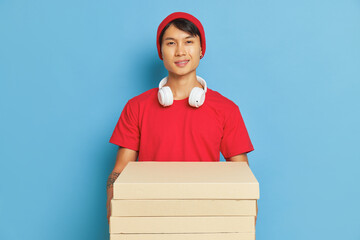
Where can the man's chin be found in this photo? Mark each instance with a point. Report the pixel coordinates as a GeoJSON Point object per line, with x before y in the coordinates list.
{"type": "Point", "coordinates": [181, 73]}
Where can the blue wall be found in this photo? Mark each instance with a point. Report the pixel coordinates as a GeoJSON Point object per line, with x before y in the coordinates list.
{"type": "Point", "coordinates": [67, 69]}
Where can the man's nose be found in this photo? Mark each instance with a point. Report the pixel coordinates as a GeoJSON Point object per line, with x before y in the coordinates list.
{"type": "Point", "coordinates": [180, 50]}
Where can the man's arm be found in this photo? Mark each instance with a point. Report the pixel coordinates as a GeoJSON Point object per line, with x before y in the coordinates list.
{"type": "Point", "coordinates": [124, 155]}
{"type": "Point", "coordinates": [239, 158]}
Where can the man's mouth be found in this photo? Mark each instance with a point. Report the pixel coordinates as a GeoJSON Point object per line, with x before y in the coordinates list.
{"type": "Point", "coordinates": [181, 63]}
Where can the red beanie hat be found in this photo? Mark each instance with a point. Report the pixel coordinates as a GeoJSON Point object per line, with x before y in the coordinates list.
{"type": "Point", "coordinates": [187, 16]}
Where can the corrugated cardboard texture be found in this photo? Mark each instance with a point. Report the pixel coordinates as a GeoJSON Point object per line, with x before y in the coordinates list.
{"type": "Point", "coordinates": [182, 224]}
{"type": "Point", "coordinates": [186, 180]}
{"type": "Point", "coordinates": [187, 207]}
{"type": "Point", "coordinates": [185, 236]}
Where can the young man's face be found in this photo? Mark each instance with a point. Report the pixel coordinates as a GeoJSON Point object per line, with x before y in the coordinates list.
{"type": "Point", "coordinates": [180, 51]}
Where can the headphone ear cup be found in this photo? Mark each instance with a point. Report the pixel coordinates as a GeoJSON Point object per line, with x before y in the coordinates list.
{"type": "Point", "coordinates": [197, 97]}
{"type": "Point", "coordinates": [165, 96]}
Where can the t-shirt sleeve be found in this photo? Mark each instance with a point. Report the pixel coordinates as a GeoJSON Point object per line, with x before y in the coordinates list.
{"type": "Point", "coordinates": [126, 133]}
{"type": "Point", "coordinates": [235, 139]}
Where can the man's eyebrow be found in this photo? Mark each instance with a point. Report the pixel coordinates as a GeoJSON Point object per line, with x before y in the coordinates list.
{"type": "Point", "coordinates": [170, 38]}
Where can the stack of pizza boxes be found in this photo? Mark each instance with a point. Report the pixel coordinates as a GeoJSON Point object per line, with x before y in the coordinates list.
{"type": "Point", "coordinates": [184, 201]}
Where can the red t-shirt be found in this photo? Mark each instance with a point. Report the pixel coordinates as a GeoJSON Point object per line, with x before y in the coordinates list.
{"type": "Point", "coordinates": [181, 132]}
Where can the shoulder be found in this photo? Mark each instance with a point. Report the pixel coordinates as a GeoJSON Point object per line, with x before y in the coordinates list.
{"type": "Point", "coordinates": [217, 99]}
{"type": "Point", "coordinates": [144, 97]}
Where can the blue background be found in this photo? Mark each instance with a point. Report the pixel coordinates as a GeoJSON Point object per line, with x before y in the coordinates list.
{"type": "Point", "coordinates": [67, 69]}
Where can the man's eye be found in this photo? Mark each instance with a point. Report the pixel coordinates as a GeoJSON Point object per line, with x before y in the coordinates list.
{"type": "Point", "coordinates": [189, 41]}
{"type": "Point", "coordinates": [170, 43]}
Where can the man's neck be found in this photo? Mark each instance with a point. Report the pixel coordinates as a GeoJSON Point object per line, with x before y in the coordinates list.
{"type": "Point", "coordinates": [181, 86]}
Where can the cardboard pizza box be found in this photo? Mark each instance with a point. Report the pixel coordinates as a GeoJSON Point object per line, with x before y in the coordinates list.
{"type": "Point", "coordinates": [193, 224]}
{"type": "Point", "coordinates": [182, 207]}
{"type": "Point", "coordinates": [185, 236]}
{"type": "Point", "coordinates": [186, 180]}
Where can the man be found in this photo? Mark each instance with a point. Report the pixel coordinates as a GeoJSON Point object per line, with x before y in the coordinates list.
{"type": "Point", "coordinates": [182, 120]}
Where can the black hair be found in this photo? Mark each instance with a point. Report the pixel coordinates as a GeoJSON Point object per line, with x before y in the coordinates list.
{"type": "Point", "coordinates": [184, 25]}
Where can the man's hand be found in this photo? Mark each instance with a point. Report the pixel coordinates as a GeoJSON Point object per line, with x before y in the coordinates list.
{"type": "Point", "coordinates": [109, 188]}
{"type": "Point", "coordinates": [124, 155]}
{"type": "Point", "coordinates": [242, 158]}
{"type": "Point", "coordinates": [256, 212]}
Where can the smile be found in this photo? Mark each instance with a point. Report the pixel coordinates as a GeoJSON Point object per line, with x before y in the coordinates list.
{"type": "Point", "coordinates": [181, 63]}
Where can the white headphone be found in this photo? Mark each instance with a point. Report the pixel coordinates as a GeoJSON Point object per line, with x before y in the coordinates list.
{"type": "Point", "coordinates": [196, 97]}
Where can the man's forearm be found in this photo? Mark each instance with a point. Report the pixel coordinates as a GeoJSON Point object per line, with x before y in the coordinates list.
{"type": "Point", "coordinates": [111, 179]}
{"type": "Point", "coordinates": [239, 158]}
